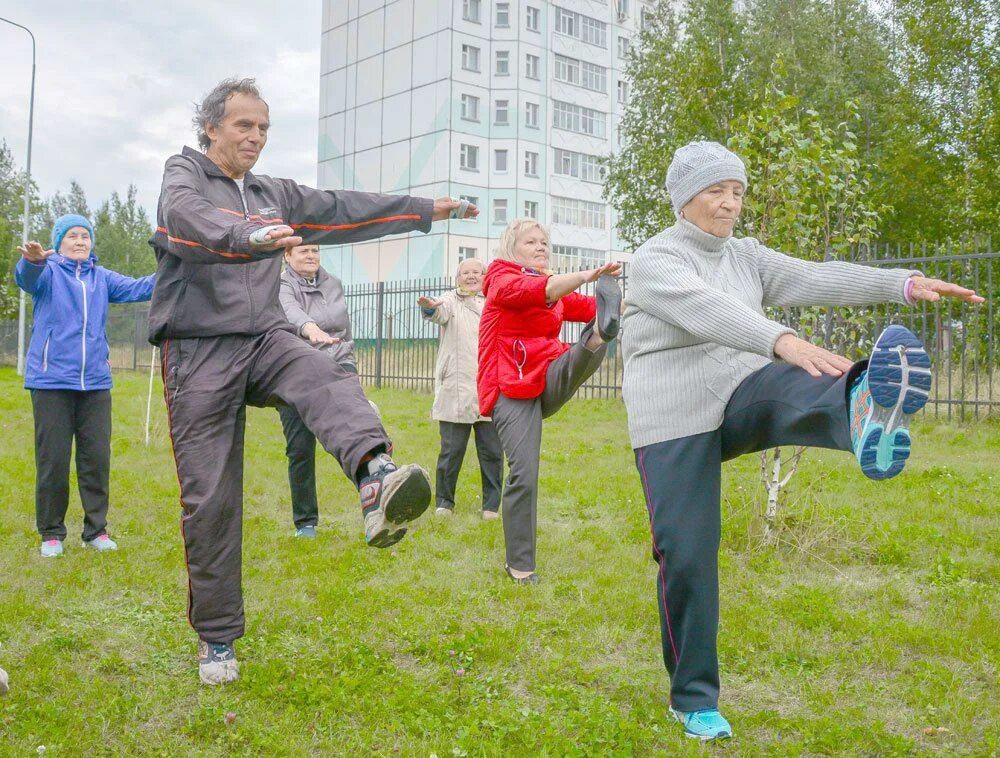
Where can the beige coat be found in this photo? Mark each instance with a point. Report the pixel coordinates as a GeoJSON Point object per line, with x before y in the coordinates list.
{"type": "Point", "coordinates": [455, 395]}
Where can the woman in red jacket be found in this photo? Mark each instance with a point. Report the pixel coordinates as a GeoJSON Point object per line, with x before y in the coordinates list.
{"type": "Point", "coordinates": [526, 373]}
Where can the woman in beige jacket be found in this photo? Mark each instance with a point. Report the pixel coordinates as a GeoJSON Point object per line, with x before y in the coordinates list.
{"type": "Point", "coordinates": [456, 402]}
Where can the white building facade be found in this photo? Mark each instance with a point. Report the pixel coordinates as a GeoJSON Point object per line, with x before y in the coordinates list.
{"type": "Point", "coordinates": [510, 103]}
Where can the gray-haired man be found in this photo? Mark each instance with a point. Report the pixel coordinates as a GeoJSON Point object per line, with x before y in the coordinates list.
{"type": "Point", "coordinates": [225, 343]}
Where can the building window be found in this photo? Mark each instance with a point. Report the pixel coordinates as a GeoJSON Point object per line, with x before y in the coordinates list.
{"type": "Point", "coordinates": [500, 161]}
{"type": "Point", "coordinates": [501, 113]}
{"type": "Point", "coordinates": [470, 107]}
{"type": "Point", "coordinates": [593, 77]}
{"type": "Point", "coordinates": [624, 47]}
{"type": "Point", "coordinates": [503, 15]}
{"type": "Point", "coordinates": [531, 209]}
{"type": "Point", "coordinates": [465, 253]}
{"type": "Point", "coordinates": [470, 58]}
{"type": "Point", "coordinates": [567, 210]}
{"type": "Point", "coordinates": [468, 157]}
{"type": "Point", "coordinates": [531, 65]}
{"type": "Point", "coordinates": [530, 163]}
{"type": "Point", "coordinates": [567, 69]}
{"type": "Point", "coordinates": [531, 115]}
{"type": "Point", "coordinates": [503, 63]}
{"type": "Point", "coordinates": [567, 22]}
{"type": "Point", "coordinates": [622, 91]}
{"type": "Point", "coordinates": [621, 9]}
{"type": "Point", "coordinates": [584, 28]}
{"type": "Point", "coordinates": [593, 31]}
{"type": "Point", "coordinates": [471, 10]}
{"type": "Point", "coordinates": [645, 19]}
{"type": "Point", "coordinates": [499, 211]}
{"type": "Point", "coordinates": [578, 165]}
{"type": "Point", "coordinates": [532, 19]}
{"type": "Point", "coordinates": [576, 118]}
{"type": "Point", "coordinates": [568, 258]}
{"type": "Point", "coordinates": [473, 199]}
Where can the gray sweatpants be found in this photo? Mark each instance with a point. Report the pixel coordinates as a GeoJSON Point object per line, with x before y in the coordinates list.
{"type": "Point", "coordinates": [519, 424]}
{"type": "Point", "coordinates": [682, 480]}
{"type": "Point", "coordinates": [208, 382]}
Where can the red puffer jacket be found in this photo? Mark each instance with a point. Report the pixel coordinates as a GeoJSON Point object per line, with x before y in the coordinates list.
{"type": "Point", "coordinates": [519, 332]}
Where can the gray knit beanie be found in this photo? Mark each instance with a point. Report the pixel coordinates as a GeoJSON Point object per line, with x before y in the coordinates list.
{"type": "Point", "coordinates": [698, 165]}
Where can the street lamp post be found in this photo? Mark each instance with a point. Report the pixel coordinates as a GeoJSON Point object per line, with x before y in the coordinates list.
{"type": "Point", "coordinates": [26, 226]}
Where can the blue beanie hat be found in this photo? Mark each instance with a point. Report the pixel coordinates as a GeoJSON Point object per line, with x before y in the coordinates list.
{"type": "Point", "coordinates": [64, 223]}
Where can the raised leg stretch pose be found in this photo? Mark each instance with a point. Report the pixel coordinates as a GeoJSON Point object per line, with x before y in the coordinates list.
{"type": "Point", "coordinates": [526, 373]}
{"type": "Point", "coordinates": [709, 377]}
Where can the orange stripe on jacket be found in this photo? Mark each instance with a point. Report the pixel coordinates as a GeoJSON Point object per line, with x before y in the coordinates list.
{"type": "Point", "coordinates": [180, 241]}
{"type": "Point", "coordinates": [327, 228]}
{"type": "Point", "coordinates": [253, 216]}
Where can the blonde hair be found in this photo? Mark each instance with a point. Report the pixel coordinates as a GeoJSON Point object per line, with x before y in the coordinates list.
{"type": "Point", "coordinates": [508, 238]}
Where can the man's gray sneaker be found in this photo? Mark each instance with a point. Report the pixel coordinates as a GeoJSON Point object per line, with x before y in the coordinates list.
{"type": "Point", "coordinates": [307, 532]}
{"type": "Point", "coordinates": [101, 544]}
{"type": "Point", "coordinates": [391, 497]}
{"type": "Point", "coordinates": [217, 663]}
{"type": "Point", "coordinates": [4, 682]}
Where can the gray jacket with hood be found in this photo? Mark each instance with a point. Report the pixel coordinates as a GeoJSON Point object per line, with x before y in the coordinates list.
{"type": "Point", "coordinates": [201, 222]}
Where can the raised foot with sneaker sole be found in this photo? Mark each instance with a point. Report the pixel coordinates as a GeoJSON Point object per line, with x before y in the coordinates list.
{"type": "Point", "coordinates": [898, 382]}
{"type": "Point", "coordinates": [405, 495]}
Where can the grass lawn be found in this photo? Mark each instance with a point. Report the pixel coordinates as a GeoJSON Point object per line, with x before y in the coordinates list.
{"type": "Point", "coordinates": [869, 627]}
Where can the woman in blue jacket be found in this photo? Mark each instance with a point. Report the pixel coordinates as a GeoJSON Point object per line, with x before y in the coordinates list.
{"type": "Point", "coordinates": [69, 376]}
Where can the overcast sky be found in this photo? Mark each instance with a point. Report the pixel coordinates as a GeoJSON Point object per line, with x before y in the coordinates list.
{"type": "Point", "coordinates": [116, 81]}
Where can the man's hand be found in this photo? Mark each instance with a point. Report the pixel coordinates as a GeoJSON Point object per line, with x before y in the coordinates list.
{"type": "Point", "coordinates": [608, 269]}
{"type": "Point", "coordinates": [317, 336]}
{"type": "Point", "coordinates": [269, 238]}
{"type": "Point", "coordinates": [34, 252]}
{"type": "Point", "coordinates": [924, 288]}
{"type": "Point", "coordinates": [428, 302]}
{"type": "Point", "coordinates": [443, 207]}
{"type": "Point", "coordinates": [814, 359]}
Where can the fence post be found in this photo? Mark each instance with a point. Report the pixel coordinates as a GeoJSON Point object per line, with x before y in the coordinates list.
{"type": "Point", "coordinates": [379, 317]}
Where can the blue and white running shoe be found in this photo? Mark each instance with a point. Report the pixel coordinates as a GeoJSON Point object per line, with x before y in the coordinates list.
{"type": "Point", "coordinates": [707, 724]}
{"type": "Point", "coordinates": [884, 399]}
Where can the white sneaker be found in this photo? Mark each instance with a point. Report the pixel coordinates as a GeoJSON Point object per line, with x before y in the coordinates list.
{"type": "Point", "coordinates": [491, 515]}
{"type": "Point", "coordinates": [441, 511]}
{"type": "Point", "coordinates": [102, 543]}
{"type": "Point", "coordinates": [4, 682]}
{"type": "Point", "coordinates": [52, 548]}
{"type": "Point", "coordinates": [217, 663]}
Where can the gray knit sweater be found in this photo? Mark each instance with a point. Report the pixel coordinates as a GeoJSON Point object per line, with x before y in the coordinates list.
{"type": "Point", "coordinates": [694, 324]}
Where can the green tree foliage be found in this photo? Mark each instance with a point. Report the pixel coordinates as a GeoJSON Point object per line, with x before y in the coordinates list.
{"type": "Point", "coordinates": [11, 220]}
{"type": "Point", "coordinates": [917, 83]}
{"type": "Point", "coordinates": [809, 192]}
{"type": "Point", "coordinates": [123, 231]}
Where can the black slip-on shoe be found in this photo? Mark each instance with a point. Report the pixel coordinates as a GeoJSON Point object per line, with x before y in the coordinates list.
{"type": "Point", "coordinates": [609, 307]}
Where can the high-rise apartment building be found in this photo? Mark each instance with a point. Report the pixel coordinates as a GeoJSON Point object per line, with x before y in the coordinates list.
{"type": "Point", "coordinates": [510, 103]}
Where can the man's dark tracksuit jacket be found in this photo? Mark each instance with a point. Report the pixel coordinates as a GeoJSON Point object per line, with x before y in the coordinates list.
{"type": "Point", "coordinates": [225, 342]}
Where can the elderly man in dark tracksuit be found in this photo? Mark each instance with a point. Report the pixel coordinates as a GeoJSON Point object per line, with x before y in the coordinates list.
{"type": "Point", "coordinates": [225, 343]}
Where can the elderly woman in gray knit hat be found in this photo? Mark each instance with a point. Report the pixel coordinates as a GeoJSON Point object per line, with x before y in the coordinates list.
{"type": "Point", "coordinates": [709, 377]}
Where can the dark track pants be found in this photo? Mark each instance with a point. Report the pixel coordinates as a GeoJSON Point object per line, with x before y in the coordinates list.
{"type": "Point", "coordinates": [300, 448]}
{"type": "Point", "coordinates": [60, 417]}
{"type": "Point", "coordinates": [681, 478]}
{"type": "Point", "coordinates": [208, 383]}
{"type": "Point", "coordinates": [454, 441]}
{"type": "Point", "coordinates": [519, 424]}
